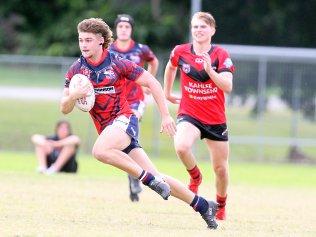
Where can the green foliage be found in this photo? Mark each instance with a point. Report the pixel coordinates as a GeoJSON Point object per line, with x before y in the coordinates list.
{"type": "Point", "coordinates": [275, 23]}
{"type": "Point", "coordinates": [49, 27]}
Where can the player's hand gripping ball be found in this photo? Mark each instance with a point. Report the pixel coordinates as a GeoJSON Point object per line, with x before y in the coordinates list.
{"type": "Point", "coordinates": [85, 103]}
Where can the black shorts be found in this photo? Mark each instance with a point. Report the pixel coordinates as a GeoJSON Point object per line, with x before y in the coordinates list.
{"type": "Point", "coordinates": [216, 132]}
{"type": "Point", "coordinates": [71, 165]}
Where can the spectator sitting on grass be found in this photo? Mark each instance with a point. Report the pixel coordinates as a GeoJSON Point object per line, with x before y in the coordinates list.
{"type": "Point", "coordinates": [57, 153]}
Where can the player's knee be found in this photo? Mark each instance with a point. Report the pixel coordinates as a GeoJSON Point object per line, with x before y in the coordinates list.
{"type": "Point", "coordinates": [221, 171]}
{"type": "Point", "coordinates": [100, 155]}
{"type": "Point", "coordinates": [182, 149]}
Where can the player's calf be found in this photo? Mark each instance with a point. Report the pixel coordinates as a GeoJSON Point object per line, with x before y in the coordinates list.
{"type": "Point", "coordinates": [195, 179]}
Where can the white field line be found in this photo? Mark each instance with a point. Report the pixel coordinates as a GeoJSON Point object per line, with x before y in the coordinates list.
{"type": "Point", "coordinates": [30, 93]}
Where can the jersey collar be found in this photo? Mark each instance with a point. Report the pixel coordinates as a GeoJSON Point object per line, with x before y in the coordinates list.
{"type": "Point", "coordinates": [209, 52]}
{"type": "Point", "coordinates": [95, 64]}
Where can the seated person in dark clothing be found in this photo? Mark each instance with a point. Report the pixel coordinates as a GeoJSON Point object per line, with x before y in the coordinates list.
{"type": "Point", "coordinates": [57, 153]}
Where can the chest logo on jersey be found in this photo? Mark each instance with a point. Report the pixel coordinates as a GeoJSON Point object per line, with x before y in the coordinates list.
{"type": "Point", "coordinates": [109, 73]}
{"type": "Point", "coordinates": [186, 68]}
{"type": "Point", "coordinates": [105, 90]}
{"type": "Point", "coordinates": [199, 60]}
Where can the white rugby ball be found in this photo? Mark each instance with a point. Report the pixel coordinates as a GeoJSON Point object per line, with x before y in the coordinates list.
{"type": "Point", "coordinates": [86, 103]}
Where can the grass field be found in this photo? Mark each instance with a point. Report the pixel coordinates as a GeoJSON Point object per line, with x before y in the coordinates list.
{"type": "Point", "coordinates": [40, 117]}
{"type": "Point", "coordinates": [264, 200]}
{"type": "Point", "coordinates": [31, 75]}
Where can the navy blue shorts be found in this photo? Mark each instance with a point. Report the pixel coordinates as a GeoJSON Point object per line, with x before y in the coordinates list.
{"type": "Point", "coordinates": [216, 132]}
{"type": "Point", "coordinates": [130, 126]}
{"type": "Point", "coordinates": [138, 106]}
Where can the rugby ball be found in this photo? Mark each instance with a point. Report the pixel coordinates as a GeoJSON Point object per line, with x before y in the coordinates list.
{"type": "Point", "coordinates": [85, 103]}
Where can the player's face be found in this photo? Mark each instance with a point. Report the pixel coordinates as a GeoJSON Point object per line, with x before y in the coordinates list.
{"type": "Point", "coordinates": [90, 44]}
{"type": "Point", "coordinates": [123, 31]}
{"type": "Point", "coordinates": [201, 31]}
{"type": "Point", "coordinates": [63, 131]}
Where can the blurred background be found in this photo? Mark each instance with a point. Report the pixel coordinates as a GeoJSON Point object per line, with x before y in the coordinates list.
{"type": "Point", "coordinates": [271, 111]}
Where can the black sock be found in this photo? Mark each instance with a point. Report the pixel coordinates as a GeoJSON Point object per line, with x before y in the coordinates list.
{"type": "Point", "coordinates": [146, 177]}
{"type": "Point", "coordinates": [199, 204]}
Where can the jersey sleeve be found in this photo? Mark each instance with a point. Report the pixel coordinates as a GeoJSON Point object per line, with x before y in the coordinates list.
{"type": "Point", "coordinates": [225, 64]}
{"type": "Point", "coordinates": [174, 56]}
{"type": "Point", "coordinates": [71, 72]}
{"type": "Point", "coordinates": [147, 53]}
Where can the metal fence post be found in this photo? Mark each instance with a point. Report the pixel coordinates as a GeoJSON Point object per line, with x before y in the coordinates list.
{"type": "Point", "coordinates": [296, 103]}
{"type": "Point", "coordinates": [262, 84]}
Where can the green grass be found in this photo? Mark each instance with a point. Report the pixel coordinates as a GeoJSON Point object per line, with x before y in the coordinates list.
{"type": "Point", "coordinates": [20, 119]}
{"type": "Point", "coordinates": [264, 200]}
{"type": "Point", "coordinates": [31, 76]}
{"type": "Point", "coordinates": [257, 174]}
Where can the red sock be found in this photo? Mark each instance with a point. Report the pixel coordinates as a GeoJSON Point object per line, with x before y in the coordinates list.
{"type": "Point", "coordinates": [221, 201]}
{"type": "Point", "coordinates": [195, 173]}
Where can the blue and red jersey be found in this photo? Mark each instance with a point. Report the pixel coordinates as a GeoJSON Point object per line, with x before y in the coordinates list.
{"type": "Point", "coordinates": [201, 98]}
{"type": "Point", "coordinates": [139, 54]}
{"type": "Point", "coordinates": [108, 77]}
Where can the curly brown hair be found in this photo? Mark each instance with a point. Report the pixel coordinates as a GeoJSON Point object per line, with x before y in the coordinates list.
{"type": "Point", "coordinates": [97, 26]}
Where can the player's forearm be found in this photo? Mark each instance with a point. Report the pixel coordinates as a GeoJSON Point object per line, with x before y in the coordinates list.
{"type": "Point", "coordinates": [67, 104]}
{"type": "Point", "coordinates": [170, 74]}
{"type": "Point", "coordinates": [146, 79]}
{"type": "Point", "coordinates": [159, 97]}
{"type": "Point", "coordinates": [222, 80]}
{"type": "Point", "coordinates": [153, 67]}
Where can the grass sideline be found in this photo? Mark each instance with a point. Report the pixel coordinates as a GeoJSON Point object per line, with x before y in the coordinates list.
{"type": "Point", "coordinates": [265, 200]}
{"type": "Point", "coordinates": [257, 174]}
{"type": "Point", "coordinates": [40, 117]}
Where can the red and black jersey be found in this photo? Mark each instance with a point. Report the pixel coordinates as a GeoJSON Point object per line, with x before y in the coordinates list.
{"type": "Point", "coordinates": [108, 78]}
{"type": "Point", "coordinates": [139, 54]}
{"type": "Point", "coordinates": [201, 98]}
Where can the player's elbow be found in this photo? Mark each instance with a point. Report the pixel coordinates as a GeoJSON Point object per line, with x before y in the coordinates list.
{"type": "Point", "coordinates": [155, 63]}
{"type": "Point", "coordinates": [228, 86]}
{"type": "Point", "coordinates": [228, 89]}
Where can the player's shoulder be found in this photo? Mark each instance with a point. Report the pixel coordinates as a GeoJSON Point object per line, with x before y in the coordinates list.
{"type": "Point", "coordinates": [74, 68]}
{"type": "Point", "coordinates": [118, 62]}
{"type": "Point", "coordinates": [142, 47]}
{"type": "Point", "coordinates": [218, 49]}
{"type": "Point", "coordinates": [76, 63]}
{"type": "Point", "coordinates": [116, 58]}
{"type": "Point", "coordinates": [182, 48]}
{"type": "Point", "coordinates": [186, 46]}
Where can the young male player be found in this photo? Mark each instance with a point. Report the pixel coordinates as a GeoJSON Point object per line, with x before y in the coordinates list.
{"type": "Point", "coordinates": [117, 126]}
{"type": "Point", "coordinates": [206, 74]}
